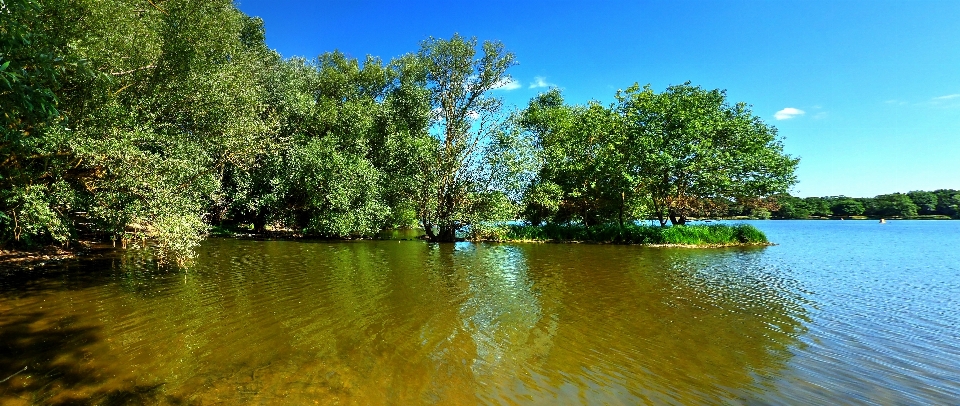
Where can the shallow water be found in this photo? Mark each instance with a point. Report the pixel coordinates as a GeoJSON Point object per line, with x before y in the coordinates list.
{"type": "Point", "coordinates": [848, 312]}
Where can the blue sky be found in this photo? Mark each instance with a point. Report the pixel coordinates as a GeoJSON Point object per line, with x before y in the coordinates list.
{"type": "Point", "coordinates": [866, 93]}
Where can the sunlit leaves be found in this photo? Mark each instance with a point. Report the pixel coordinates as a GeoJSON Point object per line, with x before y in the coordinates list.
{"type": "Point", "coordinates": [466, 120]}
{"type": "Point", "coordinates": [687, 145]}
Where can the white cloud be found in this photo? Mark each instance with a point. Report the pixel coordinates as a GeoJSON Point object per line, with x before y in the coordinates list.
{"type": "Point", "coordinates": [788, 113]}
{"type": "Point", "coordinates": [540, 81]}
{"type": "Point", "coordinates": [947, 97]}
{"type": "Point", "coordinates": [507, 84]}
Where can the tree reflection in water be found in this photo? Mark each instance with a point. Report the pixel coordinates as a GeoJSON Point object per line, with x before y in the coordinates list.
{"type": "Point", "coordinates": [407, 322]}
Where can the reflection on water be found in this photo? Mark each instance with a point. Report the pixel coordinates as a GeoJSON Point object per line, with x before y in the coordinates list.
{"type": "Point", "coordinates": [408, 322]}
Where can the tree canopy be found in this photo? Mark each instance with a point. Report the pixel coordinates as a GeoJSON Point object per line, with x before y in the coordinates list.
{"type": "Point", "coordinates": [688, 145]}
{"type": "Point", "coordinates": [460, 188]}
{"type": "Point", "coordinates": [669, 155]}
{"type": "Point", "coordinates": [153, 122]}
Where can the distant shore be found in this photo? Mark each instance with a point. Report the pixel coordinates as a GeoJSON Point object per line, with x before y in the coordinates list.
{"type": "Point", "coordinates": [922, 217]}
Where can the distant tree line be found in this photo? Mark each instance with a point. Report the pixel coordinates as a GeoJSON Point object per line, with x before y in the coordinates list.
{"type": "Point", "coordinates": [155, 120]}
{"type": "Point", "coordinates": [943, 202]}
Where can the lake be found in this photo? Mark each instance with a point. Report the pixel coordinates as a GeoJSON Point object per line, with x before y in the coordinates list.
{"type": "Point", "coordinates": [849, 312]}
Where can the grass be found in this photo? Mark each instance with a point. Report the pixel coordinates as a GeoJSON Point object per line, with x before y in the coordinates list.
{"type": "Point", "coordinates": [709, 235]}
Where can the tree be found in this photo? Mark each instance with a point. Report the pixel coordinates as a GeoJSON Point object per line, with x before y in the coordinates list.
{"type": "Point", "coordinates": [687, 145]}
{"type": "Point", "coordinates": [458, 174]}
{"type": "Point", "coordinates": [892, 205]}
{"type": "Point", "coordinates": [948, 202]}
{"type": "Point", "coordinates": [790, 207]}
{"type": "Point", "coordinates": [926, 201]}
{"type": "Point", "coordinates": [819, 206]}
{"type": "Point", "coordinates": [580, 179]}
{"type": "Point", "coordinates": [138, 113]}
{"type": "Point", "coordinates": [846, 208]}
{"type": "Point", "coordinates": [345, 155]}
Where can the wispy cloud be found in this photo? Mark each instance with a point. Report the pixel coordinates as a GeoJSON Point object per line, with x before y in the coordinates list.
{"type": "Point", "coordinates": [539, 82]}
{"type": "Point", "coordinates": [947, 97]}
{"type": "Point", "coordinates": [788, 113]}
{"type": "Point", "coordinates": [507, 84]}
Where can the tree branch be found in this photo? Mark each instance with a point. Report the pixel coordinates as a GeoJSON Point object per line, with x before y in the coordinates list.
{"type": "Point", "coordinates": [158, 7]}
{"type": "Point", "coordinates": [127, 72]}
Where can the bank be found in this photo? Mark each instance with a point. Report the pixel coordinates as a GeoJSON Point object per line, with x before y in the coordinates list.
{"type": "Point", "coordinates": [699, 235]}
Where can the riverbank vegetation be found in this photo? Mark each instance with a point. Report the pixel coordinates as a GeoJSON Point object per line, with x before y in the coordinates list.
{"type": "Point", "coordinates": [687, 235]}
{"type": "Point", "coordinates": [155, 121]}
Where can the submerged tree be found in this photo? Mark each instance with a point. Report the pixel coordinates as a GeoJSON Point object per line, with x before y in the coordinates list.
{"type": "Point", "coordinates": [343, 159]}
{"type": "Point", "coordinates": [459, 183]}
{"type": "Point", "coordinates": [151, 103]}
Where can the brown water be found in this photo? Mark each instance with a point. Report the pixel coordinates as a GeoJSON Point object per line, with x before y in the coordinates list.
{"type": "Point", "coordinates": [407, 322]}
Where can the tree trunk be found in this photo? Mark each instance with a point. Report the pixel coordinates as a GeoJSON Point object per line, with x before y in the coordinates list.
{"type": "Point", "coordinates": [446, 233]}
{"type": "Point", "coordinates": [620, 214]}
{"type": "Point", "coordinates": [677, 220]}
{"type": "Point", "coordinates": [428, 228]}
{"type": "Point", "coordinates": [259, 222]}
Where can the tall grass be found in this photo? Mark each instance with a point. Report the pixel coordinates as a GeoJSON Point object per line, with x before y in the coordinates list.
{"type": "Point", "coordinates": [713, 234]}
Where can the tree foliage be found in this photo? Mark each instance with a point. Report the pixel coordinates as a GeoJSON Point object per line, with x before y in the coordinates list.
{"type": "Point", "coordinates": [581, 176]}
{"type": "Point", "coordinates": [143, 108]}
{"type": "Point", "coordinates": [150, 122]}
{"type": "Point", "coordinates": [463, 172]}
{"type": "Point", "coordinates": [941, 202]}
{"type": "Point", "coordinates": [673, 155]}
{"type": "Point", "coordinates": [689, 146]}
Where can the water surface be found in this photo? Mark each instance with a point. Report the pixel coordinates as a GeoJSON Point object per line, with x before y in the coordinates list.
{"type": "Point", "coordinates": [846, 312]}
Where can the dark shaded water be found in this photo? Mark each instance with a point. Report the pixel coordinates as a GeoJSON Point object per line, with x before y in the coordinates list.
{"type": "Point", "coordinates": [848, 312]}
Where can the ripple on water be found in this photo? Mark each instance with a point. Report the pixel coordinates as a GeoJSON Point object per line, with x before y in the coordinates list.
{"type": "Point", "coordinates": [816, 319]}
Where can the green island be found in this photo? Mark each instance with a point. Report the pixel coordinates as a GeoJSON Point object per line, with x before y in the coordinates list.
{"type": "Point", "coordinates": [158, 124]}
{"type": "Point", "coordinates": [700, 235]}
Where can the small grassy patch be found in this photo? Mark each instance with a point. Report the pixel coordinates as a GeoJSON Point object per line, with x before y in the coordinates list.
{"type": "Point", "coordinates": [713, 234]}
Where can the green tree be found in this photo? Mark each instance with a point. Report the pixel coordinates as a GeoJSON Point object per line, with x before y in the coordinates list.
{"type": "Point", "coordinates": [581, 177]}
{"type": "Point", "coordinates": [926, 201]}
{"type": "Point", "coordinates": [346, 152]}
{"type": "Point", "coordinates": [892, 205]}
{"type": "Point", "coordinates": [688, 145]}
{"type": "Point", "coordinates": [846, 208]}
{"type": "Point", "coordinates": [819, 206]}
{"type": "Point", "coordinates": [791, 207]}
{"type": "Point", "coordinates": [151, 105]}
{"type": "Point", "coordinates": [458, 173]}
{"type": "Point", "coordinates": [948, 202]}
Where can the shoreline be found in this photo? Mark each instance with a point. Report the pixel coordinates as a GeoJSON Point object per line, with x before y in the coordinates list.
{"type": "Point", "coordinates": [33, 258]}
{"type": "Point", "coordinates": [645, 245]}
